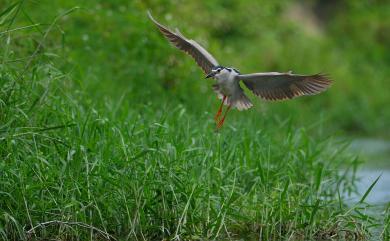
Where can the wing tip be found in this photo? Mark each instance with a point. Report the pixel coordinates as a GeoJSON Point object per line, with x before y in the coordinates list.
{"type": "Point", "coordinates": [316, 84]}
{"type": "Point", "coordinates": [149, 13]}
{"type": "Point", "coordinates": [323, 77]}
{"type": "Point", "coordinates": [159, 25]}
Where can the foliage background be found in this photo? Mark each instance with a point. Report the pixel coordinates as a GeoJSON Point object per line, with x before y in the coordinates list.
{"type": "Point", "coordinates": [106, 118]}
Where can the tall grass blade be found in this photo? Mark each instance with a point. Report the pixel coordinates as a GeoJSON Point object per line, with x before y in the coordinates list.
{"type": "Point", "coordinates": [369, 190]}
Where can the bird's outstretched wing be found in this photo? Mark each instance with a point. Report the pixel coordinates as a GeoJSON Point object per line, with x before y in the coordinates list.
{"type": "Point", "coordinates": [203, 58]}
{"type": "Point", "coordinates": [280, 86]}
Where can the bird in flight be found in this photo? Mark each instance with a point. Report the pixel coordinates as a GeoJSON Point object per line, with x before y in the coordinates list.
{"type": "Point", "coordinates": [268, 86]}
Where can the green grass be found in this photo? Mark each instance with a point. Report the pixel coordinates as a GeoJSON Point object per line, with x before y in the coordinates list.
{"type": "Point", "coordinates": [138, 173]}
{"type": "Point", "coordinates": [106, 129]}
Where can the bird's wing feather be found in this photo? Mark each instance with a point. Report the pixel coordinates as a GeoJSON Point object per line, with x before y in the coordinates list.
{"type": "Point", "coordinates": [280, 86]}
{"type": "Point", "coordinates": [203, 58]}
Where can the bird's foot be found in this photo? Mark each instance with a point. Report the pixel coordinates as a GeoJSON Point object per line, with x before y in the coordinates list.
{"type": "Point", "coordinates": [216, 117]}
{"type": "Point", "coordinates": [220, 123]}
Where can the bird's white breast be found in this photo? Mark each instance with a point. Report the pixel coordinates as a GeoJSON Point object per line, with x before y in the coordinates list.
{"type": "Point", "coordinates": [228, 82]}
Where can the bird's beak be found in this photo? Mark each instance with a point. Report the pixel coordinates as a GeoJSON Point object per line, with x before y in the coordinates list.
{"type": "Point", "coordinates": [210, 75]}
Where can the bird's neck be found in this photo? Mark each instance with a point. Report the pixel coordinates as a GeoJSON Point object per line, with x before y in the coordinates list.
{"type": "Point", "coordinates": [227, 74]}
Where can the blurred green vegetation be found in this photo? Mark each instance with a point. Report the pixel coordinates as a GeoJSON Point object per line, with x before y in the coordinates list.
{"type": "Point", "coordinates": [116, 43]}
{"type": "Point", "coordinates": [103, 122]}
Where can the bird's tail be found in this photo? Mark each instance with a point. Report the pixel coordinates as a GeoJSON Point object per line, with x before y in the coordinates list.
{"type": "Point", "coordinates": [241, 101]}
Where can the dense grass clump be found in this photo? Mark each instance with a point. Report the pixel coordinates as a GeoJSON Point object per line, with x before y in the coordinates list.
{"type": "Point", "coordinates": [142, 174]}
{"type": "Point", "coordinates": [104, 134]}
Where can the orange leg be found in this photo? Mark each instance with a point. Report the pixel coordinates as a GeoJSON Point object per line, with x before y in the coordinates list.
{"type": "Point", "coordinates": [216, 117]}
{"type": "Point", "coordinates": [220, 123]}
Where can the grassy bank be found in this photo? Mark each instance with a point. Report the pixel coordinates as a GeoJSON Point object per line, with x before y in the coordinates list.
{"type": "Point", "coordinates": [106, 131]}
{"type": "Point", "coordinates": [138, 173]}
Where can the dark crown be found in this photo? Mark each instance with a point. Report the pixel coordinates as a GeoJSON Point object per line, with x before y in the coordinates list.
{"type": "Point", "coordinates": [220, 67]}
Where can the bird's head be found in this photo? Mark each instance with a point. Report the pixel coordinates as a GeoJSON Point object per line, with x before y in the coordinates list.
{"type": "Point", "coordinates": [215, 71]}
{"type": "Point", "coordinates": [219, 71]}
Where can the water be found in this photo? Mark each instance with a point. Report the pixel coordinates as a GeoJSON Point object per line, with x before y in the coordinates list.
{"type": "Point", "coordinates": [380, 194]}
{"type": "Point", "coordinates": [377, 155]}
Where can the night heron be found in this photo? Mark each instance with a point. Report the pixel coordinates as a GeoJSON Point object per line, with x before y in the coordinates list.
{"type": "Point", "coordinates": [269, 86]}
